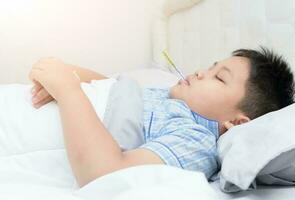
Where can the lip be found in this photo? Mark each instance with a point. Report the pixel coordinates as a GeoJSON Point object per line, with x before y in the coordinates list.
{"type": "Point", "coordinates": [184, 81]}
{"type": "Point", "coordinates": [187, 81]}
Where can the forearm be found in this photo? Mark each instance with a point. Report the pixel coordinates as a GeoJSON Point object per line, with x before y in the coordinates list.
{"type": "Point", "coordinates": [86, 75]}
{"type": "Point", "coordinates": [91, 149]}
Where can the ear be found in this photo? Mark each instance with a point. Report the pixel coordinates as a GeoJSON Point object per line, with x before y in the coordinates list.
{"type": "Point", "coordinates": [240, 119]}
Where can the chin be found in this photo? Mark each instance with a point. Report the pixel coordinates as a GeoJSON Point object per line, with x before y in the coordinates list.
{"type": "Point", "coordinates": [176, 94]}
{"type": "Point", "coordinates": [173, 92]}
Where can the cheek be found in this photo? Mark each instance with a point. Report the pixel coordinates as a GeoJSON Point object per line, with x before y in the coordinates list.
{"type": "Point", "coordinates": [207, 92]}
{"type": "Point", "coordinates": [215, 96]}
{"type": "Point", "coordinates": [228, 102]}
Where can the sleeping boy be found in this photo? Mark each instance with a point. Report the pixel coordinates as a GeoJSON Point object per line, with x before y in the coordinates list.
{"type": "Point", "coordinates": [181, 124]}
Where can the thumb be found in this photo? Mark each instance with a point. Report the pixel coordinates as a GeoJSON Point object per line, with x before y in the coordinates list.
{"type": "Point", "coordinates": [37, 84]}
{"type": "Point", "coordinates": [36, 75]}
{"type": "Point", "coordinates": [36, 87]}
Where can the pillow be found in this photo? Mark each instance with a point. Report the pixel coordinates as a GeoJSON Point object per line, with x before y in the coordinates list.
{"type": "Point", "coordinates": [262, 149]}
{"type": "Point", "coordinates": [125, 97]}
{"type": "Point", "coordinates": [279, 171]}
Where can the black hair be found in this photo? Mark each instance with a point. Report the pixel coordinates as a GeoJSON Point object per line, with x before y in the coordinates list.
{"type": "Point", "coordinates": [270, 85]}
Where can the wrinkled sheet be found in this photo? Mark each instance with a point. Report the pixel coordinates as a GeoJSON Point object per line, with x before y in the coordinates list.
{"type": "Point", "coordinates": [148, 182]}
{"type": "Point", "coordinates": [155, 182]}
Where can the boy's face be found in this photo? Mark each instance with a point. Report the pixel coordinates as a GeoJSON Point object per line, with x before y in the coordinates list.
{"type": "Point", "coordinates": [215, 92]}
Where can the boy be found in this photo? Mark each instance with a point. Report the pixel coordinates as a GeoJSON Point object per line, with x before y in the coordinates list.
{"type": "Point", "coordinates": [182, 123]}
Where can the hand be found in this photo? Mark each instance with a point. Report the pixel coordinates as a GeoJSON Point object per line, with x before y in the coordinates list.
{"type": "Point", "coordinates": [55, 77]}
{"type": "Point", "coordinates": [40, 96]}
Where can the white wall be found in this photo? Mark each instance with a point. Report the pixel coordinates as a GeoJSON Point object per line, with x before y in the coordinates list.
{"type": "Point", "coordinates": [106, 35]}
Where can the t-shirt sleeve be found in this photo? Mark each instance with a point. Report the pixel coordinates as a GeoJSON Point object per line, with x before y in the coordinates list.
{"type": "Point", "coordinates": [191, 149]}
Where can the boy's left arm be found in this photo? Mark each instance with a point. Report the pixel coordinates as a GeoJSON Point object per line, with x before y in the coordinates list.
{"type": "Point", "coordinates": [91, 149]}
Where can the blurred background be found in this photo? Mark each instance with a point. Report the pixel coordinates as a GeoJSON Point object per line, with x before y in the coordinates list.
{"type": "Point", "coordinates": [107, 35]}
{"type": "Point", "coordinates": [112, 36]}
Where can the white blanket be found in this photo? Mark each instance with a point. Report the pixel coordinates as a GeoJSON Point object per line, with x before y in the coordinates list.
{"type": "Point", "coordinates": [147, 182]}
{"type": "Point", "coordinates": [31, 140]}
{"type": "Point", "coordinates": [34, 164]}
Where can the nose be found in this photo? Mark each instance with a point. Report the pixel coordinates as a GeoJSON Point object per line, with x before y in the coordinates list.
{"type": "Point", "coordinates": [200, 74]}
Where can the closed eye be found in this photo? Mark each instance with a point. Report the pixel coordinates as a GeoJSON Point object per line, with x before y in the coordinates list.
{"type": "Point", "coordinates": [219, 78]}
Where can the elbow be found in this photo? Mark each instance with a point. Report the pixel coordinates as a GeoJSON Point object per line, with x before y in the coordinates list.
{"type": "Point", "coordinates": [86, 176]}
{"type": "Point", "coordinates": [89, 171]}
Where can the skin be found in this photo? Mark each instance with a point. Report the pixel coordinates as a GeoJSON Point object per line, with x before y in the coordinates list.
{"type": "Point", "coordinates": [215, 92]}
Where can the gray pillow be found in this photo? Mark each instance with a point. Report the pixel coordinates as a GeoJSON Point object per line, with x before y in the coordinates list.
{"type": "Point", "coordinates": [279, 171]}
{"type": "Point", "coordinates": [124, 113]}
{"type": "Point", "coordinates": [262, 149]}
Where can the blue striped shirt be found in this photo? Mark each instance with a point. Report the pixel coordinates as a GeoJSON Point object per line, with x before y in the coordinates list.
{"type": "Point", "coordinates": [179, 136]}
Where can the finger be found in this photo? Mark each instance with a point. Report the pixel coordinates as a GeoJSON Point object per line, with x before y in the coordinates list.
{"type": "Point", "coordinates": [32, 75]}
{"type": "Point", "coordinates": [42, 94]}
{"type": "Point", "coordinates": [43, 102]}
{"type": "Point", "coordinates": [36, 88]}
{"type": "Point", "coordinates": [36, 74]}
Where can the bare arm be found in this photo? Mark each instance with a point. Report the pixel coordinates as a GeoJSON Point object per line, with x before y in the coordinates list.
{"type": "Point", "coordinates": [86, 75]}
{"type": "Point", "coordinates": [91, 149]}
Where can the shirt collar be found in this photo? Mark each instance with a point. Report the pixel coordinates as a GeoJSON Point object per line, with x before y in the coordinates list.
{"type": "Point", "coordinates": [212, 125]}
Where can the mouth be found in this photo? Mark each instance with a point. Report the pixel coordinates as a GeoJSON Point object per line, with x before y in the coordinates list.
{"type": "Point", "coordinates": [187, 81]}
{"type": "Point", "coordinates": [184, 81]}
